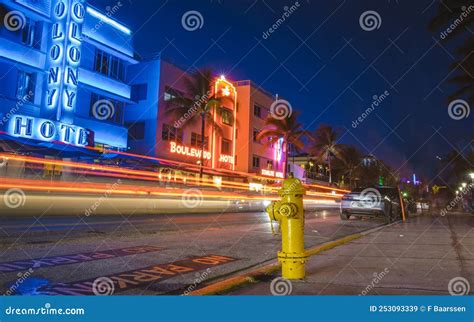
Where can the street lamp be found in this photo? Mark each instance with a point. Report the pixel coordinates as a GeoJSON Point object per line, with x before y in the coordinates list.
{"type": "Point", "coordinates": [464, 184]}
{"type": "Point", "coordinates": [471, 175]}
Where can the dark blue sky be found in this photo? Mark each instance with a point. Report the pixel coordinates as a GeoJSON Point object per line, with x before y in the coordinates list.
{"type": "Point", "coordinates": [324, 64]}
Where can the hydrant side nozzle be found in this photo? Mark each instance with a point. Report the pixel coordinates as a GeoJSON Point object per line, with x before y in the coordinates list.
{"type": "Point", "coordinates": [273, 210]}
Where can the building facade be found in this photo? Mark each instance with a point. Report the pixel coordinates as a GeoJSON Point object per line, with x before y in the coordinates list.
{"type": "Point", "coordinates": [71, 87]}
{"type": "Point", "coordinates": [64, 81]}
{"type": "Point", "coordinates": [254, 156]}
{"type": "Point", "coordinates": [230, 139]}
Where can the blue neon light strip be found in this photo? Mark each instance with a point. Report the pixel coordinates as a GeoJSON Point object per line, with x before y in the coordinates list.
{"type": "Point", "coordinates": [107, 20]}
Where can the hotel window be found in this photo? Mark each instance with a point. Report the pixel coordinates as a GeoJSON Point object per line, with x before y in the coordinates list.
{"type": "Point", "coordinates": [171, 93]}
{"type": "Point", "coordinates": [136, 131]}
{"type": "Point", "coordinates": [196, 141]}
{"type": "Point", "coordinates": [170, 133]}
{"type": "Point", "coordinates": [106, 109]}
{"type": "Point", "coordinates": [28, 34]}
{"type": "Point", "coordinates": [25, 88]}
{"type": "Point", "coordinates": [109, 65]}
{"type": "Point", "coordinates": [269, 165]}
{"type": "Point", "coordinates": [226, 147]}
{"type": "Point", "coordinates": [227, 117]}
{"type": "Point", "coordinates": [255, 135]}
{"type": "Point", "coordinates": [255, 162]}
{"type": "Point", "coordinates": [257, 111]}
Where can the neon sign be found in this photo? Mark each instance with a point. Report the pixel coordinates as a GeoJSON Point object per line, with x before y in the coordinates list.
{"type": "Point", "coordinates": [226, 159]}
{"type": "Point", "coordinates": [271, 173]}
{"type": "Point", "coordinates": [279, 149]}
{"type": "Point", "coordinates": [64, 56]}
{"type": "Point", "coordinates": [47, 130]}
{"type": "Point", "coordinates": [222, 87]}
{"type": "Point", "coordinates": [189, 151]}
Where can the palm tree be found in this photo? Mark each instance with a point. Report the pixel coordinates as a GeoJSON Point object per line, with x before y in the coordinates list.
{"type": "Point", "coordinates": [352, 159]}
{"type": "Point", "coordinates": [198, 103]}
{"type": "Point", "coordinates": [459, 11]}
{"type": "Point", "coordinates": [325, 146]}
{"type": "Point", "coordinates": [457, 165]}
{"type": "Point", "coordinates": [287, 129]}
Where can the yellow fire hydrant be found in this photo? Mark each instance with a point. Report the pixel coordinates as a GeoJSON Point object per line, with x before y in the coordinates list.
{"type": "Point", "coordinates": [289, 213]}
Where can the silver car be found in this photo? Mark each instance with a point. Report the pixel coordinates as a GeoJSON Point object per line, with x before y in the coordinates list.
{"type": "Point", "coordinates": [381, 202]}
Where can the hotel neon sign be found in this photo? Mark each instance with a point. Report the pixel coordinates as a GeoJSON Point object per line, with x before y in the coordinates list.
{"type": "Point", "coordinates": [226, 159]}
{"type": "Point", "coordinates": [64, 56]}
{"type": "Point", "coordinates": [223, 87]}
{"type": "Point", "coordinates": [271, 173]}
{"type": "Point", "coordinates": [47, 130]}
{"type": "Point", "coordinates": [189, 151]}
{"type": "Point", "coordinates": [196, 153]}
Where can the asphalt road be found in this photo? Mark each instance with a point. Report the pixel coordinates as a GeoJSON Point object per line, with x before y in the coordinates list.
{"type": "Point", "coordinates": [154, 254]}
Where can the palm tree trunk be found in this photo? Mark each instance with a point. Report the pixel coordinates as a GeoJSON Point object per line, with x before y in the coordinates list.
{"type": "Point", "coordinates": [330, 168]}
{"type": "Point", "coordinates": [203, 128]}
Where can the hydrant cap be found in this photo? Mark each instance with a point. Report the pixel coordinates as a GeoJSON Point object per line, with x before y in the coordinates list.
{"type": "Point", "coordinates": [292, 186]}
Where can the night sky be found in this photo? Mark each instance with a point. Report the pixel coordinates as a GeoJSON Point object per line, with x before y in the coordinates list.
{"type": "Point", "coordinates": [325, 65]}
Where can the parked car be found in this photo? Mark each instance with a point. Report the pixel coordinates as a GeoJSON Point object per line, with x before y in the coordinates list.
{"type": "Point", "coordinates": [383, 202]}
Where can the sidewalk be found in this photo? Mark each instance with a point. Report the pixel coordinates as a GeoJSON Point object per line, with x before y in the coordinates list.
{"type": "Point", "coordinates": [427, 255]}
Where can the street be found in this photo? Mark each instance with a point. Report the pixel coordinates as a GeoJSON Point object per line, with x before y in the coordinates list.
{"type": "Point", "coordinates": [67, 254]}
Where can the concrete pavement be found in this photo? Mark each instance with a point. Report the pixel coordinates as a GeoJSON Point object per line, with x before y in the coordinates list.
{"type": "Point", "coordinates": [428, 255]}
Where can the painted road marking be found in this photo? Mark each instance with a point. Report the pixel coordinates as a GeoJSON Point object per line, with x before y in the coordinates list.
{"type": "Point", "coordinates": [75, 258]}
{"type": "Point", "coordinates": [140, 277]}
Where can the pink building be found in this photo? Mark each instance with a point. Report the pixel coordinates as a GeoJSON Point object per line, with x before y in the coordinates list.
{"type": "Point", "coordinates": [156, 132]}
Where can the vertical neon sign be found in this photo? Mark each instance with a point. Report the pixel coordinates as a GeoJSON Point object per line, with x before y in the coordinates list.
{"type": "Point", "coordinates": [222, 87]}
{"type": "Point", "coordinates": [64, 57]}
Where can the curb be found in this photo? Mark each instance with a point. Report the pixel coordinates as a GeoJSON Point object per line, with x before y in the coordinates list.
{"type": "Point", "coordinates": [253, 275]}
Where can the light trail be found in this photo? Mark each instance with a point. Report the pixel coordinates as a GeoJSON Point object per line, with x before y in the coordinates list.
{"type": "Point", "coordinates": [125, 173]}
{"type": "Point", "coordinates": [123, 189]}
